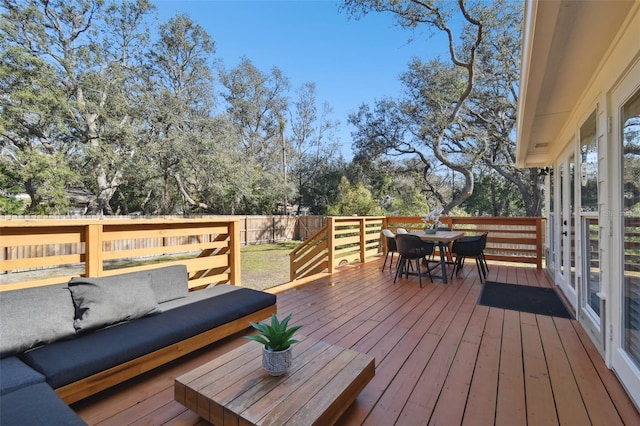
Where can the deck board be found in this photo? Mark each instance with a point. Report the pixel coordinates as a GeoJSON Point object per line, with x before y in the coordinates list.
{"type": "Point", "coordinates": [482, 397]}
{"type": "Point", "coordinates": [600, 407]}
{"type": "Point", "coordinates": [511, 407]}
{"type": "Point", "coordinates": [570, 406]}
{"type": "Point", "coordinates": [538, 391]}
{"type": "Point", "coordinates": [620, 399]}
{"type": "Point", "coordinates": [441, 359]}
{"type": "Point", "coordinates": [449, 408]}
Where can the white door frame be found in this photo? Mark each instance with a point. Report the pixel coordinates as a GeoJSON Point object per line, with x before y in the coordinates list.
{"type": "Point", "coordinates": [593, 319]}
{"type": "Point", "coordinates": [626, 370]}
{"type": "Point", "coordinates": [566, 214]}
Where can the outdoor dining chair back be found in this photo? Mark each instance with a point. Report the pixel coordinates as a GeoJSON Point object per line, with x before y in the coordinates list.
{"type": "Point", "coordinates": [410, 248]}
{"type": "Point", "coordinates": [473, 247]}
{"type": "Point", "coordinates": [390, 242]}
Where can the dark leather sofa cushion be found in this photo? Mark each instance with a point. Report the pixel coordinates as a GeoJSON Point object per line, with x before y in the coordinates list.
{"type": "Point", "coordinates": [67, 361]}
{"type": "Point", "coordinates": [15, 374]}
{"type": "Point", "coordinates": [36, 405]}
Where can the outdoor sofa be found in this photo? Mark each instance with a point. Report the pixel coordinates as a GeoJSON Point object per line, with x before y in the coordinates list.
{"type": "Point", "coordinates": [61, 343]}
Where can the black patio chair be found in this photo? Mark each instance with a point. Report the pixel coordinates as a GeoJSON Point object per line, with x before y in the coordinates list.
{"type": "Point", "coordinates": [410, 248]}
{"type": "Point", "coordinates": [390, 241]}
{"type": "Point", "coordinates": [483, 259]}
{"type": "Point", "coordinates": [470, 247]}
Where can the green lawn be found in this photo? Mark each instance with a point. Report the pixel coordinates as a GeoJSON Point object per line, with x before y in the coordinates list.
{"type": "Point", "coordinates": [266, 265]}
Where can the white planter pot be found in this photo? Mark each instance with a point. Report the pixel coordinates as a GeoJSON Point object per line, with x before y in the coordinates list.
{"type": "Point", "coordinates": [276, 363]}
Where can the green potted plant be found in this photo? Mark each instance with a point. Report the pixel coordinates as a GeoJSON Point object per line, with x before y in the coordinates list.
{"type": "Point", "coordinates": [276, 339]}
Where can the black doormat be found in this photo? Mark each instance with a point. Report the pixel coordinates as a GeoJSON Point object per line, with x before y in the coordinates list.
{"type": "Point", "coordinates": [536, 300]}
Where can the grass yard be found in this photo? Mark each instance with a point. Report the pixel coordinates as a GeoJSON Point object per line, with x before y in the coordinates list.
{"type": "Point", "coordinates": [266, 265]}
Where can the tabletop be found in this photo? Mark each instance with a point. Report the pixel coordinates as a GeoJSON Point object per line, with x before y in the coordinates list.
{"type": "Point", "coordinates": [440, 236]}
{"type": "Point", "coordinates": [322, 383]}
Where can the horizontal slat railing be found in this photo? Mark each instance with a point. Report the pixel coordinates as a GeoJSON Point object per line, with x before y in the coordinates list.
{"type": "Point", "coordinates": [254, 229]}
{"type": "Point", "coordinates": [510, 239]}
{"type": "Point", "coordinates": [209, 248]}
{"type": "Point", "coordinates": [357, 239]}
{"type": "Point", "coordinates": [311, 256]}
{"type": "Point", "coordinates": [343, 240]}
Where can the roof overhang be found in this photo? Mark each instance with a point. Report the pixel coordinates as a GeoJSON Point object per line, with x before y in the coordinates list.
{"type": "Point", "coordinates": [564, 42]}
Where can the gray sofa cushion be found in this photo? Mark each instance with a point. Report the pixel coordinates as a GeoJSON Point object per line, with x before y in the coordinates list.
{"type": "Point", "coordinates": [194, 296]}
{"type": "Point", "coordinates": [36, 405]}
{"type": "Point", "coordinates": [169, 282]}
{"type": "Point", "coordinates": [15, 374]}
{"type": "Point", "coordinates": [110, 300]}
{"type": "Point", "coordinates": [33, 316]}
{"type": "Point", "coordinates": [71, 360]}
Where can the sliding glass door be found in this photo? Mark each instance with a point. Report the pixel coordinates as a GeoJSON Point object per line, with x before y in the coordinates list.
{"type": "Point", "coordinates": [631, 227]}
{"type": "Point", "coordinates": [565, 256]}
{"type": "Point", "coordinates": [626, 337]}
{"type": "Point", "coordinates": [589, 302]}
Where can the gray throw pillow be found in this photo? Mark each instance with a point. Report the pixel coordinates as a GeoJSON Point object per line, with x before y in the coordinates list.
{"type": "Point", "coordinates": [169, 282]}
{"type": "Point", "coordinates": [109, 300]}
{"type": "Point", "coordinates": [34, 316]}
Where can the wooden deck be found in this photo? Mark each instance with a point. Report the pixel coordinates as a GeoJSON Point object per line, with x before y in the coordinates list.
{"type": "Point", "coordinates": [440, 358]}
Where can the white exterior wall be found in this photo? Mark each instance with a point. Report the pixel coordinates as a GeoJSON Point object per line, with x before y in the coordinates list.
{"type": "Point", "coordinates": [617, 78]}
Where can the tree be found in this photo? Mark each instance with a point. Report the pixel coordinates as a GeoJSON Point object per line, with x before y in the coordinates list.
{"type": "Point", "coordinates": [458, 113]}
{"type": "Point", "coordinates": [92, 105]}
{"type": "Point", "coordinates": [34, 136]}
{"type": "Point", "coordinates": [353, 200]}
{"type": "Point", "coordinates": [438, 116]}
{"type": "Point", "coordinates": [256, 104]}
{"type": "Point", "coordinates": [90, 83]}
{"type": "Point", "coordinates": [493, 196]}
{"type": "Point", "coordinates": [180, 102]}
{"type": "Point", "coordinates": [312, 141]}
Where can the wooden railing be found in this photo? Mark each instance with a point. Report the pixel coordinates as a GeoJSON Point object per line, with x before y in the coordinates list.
{"type": "Point", "coordinates": [510, 239]}
{"type": "Point", "coordinates": [343, 240]}
{"type": "Point", "coordinates": [311, 257]}
{"type": "Point", "coordinates": [357, 239]}
{"type": "Point", "coordinates": [209, 248]}
{"type": "Point", "coordinates": [254, 229]}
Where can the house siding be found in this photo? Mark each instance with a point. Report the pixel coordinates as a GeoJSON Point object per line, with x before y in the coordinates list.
{"type": "Point", "coordinates": [616, 78]}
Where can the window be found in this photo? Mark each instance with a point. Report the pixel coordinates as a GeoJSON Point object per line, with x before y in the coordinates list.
{"type": "Point", "coordinates": [631, 226]}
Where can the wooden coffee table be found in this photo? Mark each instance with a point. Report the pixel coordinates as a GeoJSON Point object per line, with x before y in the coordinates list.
{"type": "Point", "coordinates": [234, 389]}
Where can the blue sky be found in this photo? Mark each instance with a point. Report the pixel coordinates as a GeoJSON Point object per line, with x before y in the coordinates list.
{"type": "Point", "coordinates": [351, 61]}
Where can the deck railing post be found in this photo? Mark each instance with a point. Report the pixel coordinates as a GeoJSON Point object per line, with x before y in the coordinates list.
{"type": "Point", "coordinates": [539, 243]}
{"type": "Point", "coordinates": [447, 221]}
{"type": "Point", "coordinates": [246, 230]}
{"type": "Point", "coordinates": [363, 242]}
{"type": "Point", "coordinates": [331, 229]}
{"type": "Point", "coordinates": [235, 277]}
{"type": "Point", "coordinates": [382, 244]}
{"type": "Point", "coordinates": [93, 262]}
